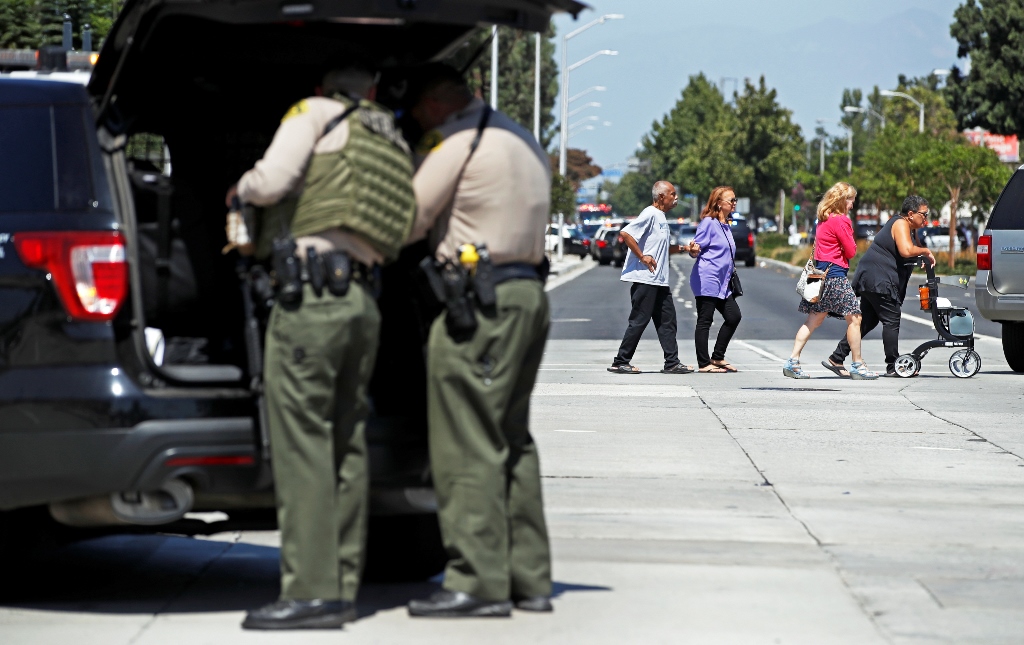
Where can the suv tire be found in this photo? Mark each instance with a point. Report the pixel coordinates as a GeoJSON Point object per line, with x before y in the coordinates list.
{"type": "Point", "coordinates": [1013, 345]}
{"type": "Point", "coordinates": [750, 261]}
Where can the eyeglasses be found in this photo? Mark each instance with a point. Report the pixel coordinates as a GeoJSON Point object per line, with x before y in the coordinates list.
{"type": "Point", "coordinates": [730, 201]}
{"type": "Point", "coordinates": [923, 214]}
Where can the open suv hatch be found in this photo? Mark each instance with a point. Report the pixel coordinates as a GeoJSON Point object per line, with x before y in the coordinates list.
{"type": "Point", "coordinates": [131, 347]}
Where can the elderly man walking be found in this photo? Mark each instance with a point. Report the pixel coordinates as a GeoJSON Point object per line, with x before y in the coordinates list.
{"type": "Point", "coordinates": [647, 268]}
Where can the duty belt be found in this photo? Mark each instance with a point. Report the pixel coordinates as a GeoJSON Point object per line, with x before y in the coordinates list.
{"type": "Point", "coordinates": [335, 270]}
{"type": "Point", "coordinates": [516, 271]}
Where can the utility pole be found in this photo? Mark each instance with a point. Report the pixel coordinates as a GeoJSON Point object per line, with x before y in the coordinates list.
{"type": "Point", "coordinates": [494, 67]}
{"type": "Point", "coordinates": [821, 162]}
{"type": "Point", "coordinates": [536, 90]}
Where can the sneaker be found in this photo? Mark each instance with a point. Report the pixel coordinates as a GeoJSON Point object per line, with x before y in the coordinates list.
{"type": "Point", "coordinates": [792, 369]}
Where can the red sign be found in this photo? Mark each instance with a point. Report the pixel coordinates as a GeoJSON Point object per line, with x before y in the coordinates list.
{"type": "Point", "coordinates": [1005, 145]}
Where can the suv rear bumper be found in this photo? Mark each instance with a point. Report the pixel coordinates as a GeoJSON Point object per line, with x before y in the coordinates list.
{"type": "Point", "coordinates": [997, 306]}
{"type": "Point", "coordinates": [214, 455]}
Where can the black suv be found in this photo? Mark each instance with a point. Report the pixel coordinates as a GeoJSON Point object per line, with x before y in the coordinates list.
{"type": "Point", "coordinates": [131, 352]}
{"type": "Point", "coordinates": [745, 241]}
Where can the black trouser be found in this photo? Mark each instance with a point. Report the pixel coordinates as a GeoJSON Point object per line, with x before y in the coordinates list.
{"type": "Point", "coordinates": [706, 308]}
{"type": "Point", "coordinates": [875, 308]}
{"type": "Point", "coordinates": [650, 302]}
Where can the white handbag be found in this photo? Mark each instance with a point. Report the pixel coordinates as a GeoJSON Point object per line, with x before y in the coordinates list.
{"type": "Point", "coordinates": [812, 281]}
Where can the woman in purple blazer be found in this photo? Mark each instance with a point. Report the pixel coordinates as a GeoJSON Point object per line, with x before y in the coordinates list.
{"type": "Point", "coordinates": [709, 280]}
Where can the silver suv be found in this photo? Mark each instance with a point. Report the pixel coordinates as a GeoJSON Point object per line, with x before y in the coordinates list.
{"type": "Point", "coordinates": [999, 287]}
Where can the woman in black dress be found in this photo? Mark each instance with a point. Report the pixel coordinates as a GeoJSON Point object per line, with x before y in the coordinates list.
{"type": "Point", "coordinates": [881, 282]}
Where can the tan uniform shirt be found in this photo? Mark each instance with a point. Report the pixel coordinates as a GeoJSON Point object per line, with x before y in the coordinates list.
{"type": "Point", "coordinates": [281, 172]}
{"type": "Point", "coordinates": [503, 199]}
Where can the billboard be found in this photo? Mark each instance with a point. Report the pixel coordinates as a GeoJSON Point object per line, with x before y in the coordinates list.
{"type": "Point", "coordinates": [1005, 145]}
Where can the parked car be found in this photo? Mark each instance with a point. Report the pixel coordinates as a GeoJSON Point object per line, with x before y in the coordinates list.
{"type": "Point", "coordinates": [607, 247]}
{"type": "Point", "coordinates": [936, 238]}
{"type": "Point", "coordinates": [130, 362]}
{"type": "Point", "coordinates": [745, 240]}
{"type": "Point", "coordinates": [575, 243]}
{"type": "Point", "coordinates": [999, 284]}
{"type": "Point", "coordinates": [681, 233]}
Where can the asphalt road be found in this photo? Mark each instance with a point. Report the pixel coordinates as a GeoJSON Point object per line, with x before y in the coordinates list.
{"type": "Point", "coordinates": [595, 306]}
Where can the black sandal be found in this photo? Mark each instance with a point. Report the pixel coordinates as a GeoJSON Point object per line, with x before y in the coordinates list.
{"type": "Point", "coordinates": [624, 369]}
{"type": "Point", "coordinates": [835, 369]}
{"type": "Point", "coordinates": [679, 368]}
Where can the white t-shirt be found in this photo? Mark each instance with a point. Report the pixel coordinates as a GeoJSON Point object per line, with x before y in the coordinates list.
{"type": "Point", "coordinates": [650, 230]}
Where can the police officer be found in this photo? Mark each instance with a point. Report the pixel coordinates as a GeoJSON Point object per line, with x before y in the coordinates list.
{"type": "Point", "coordinates": [339, 178]}
{"type": "Point", "coordinates": [486, 183]}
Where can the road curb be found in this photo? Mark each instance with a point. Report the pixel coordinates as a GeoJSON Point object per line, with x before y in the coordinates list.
{"type": "Point", "coordinates": [778, 264]}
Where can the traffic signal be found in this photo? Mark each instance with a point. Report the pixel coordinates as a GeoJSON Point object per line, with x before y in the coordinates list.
{"type": "Point", "coordinates": [796, 207]}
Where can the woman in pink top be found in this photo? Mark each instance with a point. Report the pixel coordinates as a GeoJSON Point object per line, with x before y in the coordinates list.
{"type": "Point", "coordinates": [833, 247]}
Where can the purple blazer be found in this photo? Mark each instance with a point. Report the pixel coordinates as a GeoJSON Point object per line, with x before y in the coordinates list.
{"type": "Point", "coordinates": [713, 268]}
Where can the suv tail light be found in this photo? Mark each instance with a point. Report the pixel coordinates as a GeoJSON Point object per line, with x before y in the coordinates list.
{"type": "Point", "coordinates": [601, 244]}
{"type": "Point", "coordinates": [87, 268]}
{"type": "Point", "coordinates": [750, 239]}
{"type": "Point", "coordinates": [985, 253]}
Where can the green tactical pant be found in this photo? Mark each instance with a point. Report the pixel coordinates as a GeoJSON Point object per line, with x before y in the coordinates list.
{"type": "Point", "coordinates": [319, 359]}
{"type": "Point", "coordinates": [485, 464]}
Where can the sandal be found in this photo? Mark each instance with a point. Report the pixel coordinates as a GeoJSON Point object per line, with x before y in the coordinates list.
{"type": "Point", "coordinates": [624, 369]}
{"type": "Point", "coordinates": [860, 372]}
{"type": "Point", "coordinates": [713, 369]}
{"type": "Point", "coordinates": [725, 366]}
{"type": "Point", "coordinates": [838, 370]}
{"type": "Point", "coordinates": [678, 368]}
{"type": "Point", "coordinates": [792, 369]}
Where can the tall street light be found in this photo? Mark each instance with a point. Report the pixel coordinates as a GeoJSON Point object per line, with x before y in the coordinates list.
{"type": "Point", "coordinates": [595, 88]}
{"type": "Point", "coordinates": [536, 88]}
{"type": "Point", "coordinates": [919, 104]}
{"type": "Point", "coordinates": [494, 67]}
{"type": "Point", "coordinates": [586, 106]}
{"type": "Point", "coordinates": [874, 113]}
{"type": "Point", "coordinates": [565, 81]}
{"type": "Point", "coordinates": [583, 120]}
{"type": "Point", "coordinates": [849, 145]}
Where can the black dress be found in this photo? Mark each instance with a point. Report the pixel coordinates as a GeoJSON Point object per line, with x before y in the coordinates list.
{"type": "Point", "coordinates": [883, 270]}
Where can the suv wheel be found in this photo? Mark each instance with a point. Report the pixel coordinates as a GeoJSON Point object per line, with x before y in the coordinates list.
{"type": "Point", "coordinates": [1013, 345]}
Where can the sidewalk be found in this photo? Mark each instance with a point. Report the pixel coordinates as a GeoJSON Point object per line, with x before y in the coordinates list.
{"type": "Point", "coordinates": [706, 508]}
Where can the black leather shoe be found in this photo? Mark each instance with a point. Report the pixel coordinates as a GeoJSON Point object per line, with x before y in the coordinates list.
{"type": "Point", "coordinates": [536, 603]}
{"type": "Point", "coordinates": [301, 614]}
{"type": "Point", "coordinates": [456, 604]}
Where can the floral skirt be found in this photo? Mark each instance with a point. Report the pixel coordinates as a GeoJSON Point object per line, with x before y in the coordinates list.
{"type": "Point", "coordinates": [837, 300]}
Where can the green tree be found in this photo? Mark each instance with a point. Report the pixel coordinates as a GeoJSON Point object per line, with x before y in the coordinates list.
{"type": "Point", "coordinates": [632, 194]}
{"type": "Point", "coordinates": [770, 144]}
{"type": "Point", "coordinates": [699, 107]}
{"type": "Point", "coordinates": [991, 95]}
{"type": "Point", "coordinates": [19, 24]}
{"type": "Point", "coordinates": [963, 173]}
{"type": "Point", "coordinates": [891, 168]}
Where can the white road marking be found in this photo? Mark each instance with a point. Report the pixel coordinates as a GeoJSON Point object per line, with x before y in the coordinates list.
{"type": "Point", "coordinates": [759, 351]}
{"type": "Point", "coordinates": [564, 320]}
{"type": "Point", "coordinates": [558, 281]}
{"type": "Point", "coordinates": [933, 448]}
{"type": "Point", "coordinates": [658, 390]}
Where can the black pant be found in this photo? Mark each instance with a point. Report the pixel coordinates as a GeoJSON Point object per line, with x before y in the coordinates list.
{"type": "Point", "coordinates": [875, 307]}
{"type": "Point", "coordinates": [650, 302]}
{"type": "Point", "coordinates": [706, 308]}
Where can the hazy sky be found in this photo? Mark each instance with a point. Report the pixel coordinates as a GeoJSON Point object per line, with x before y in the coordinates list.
{"type": "Point", "coordinates": [809, 50]}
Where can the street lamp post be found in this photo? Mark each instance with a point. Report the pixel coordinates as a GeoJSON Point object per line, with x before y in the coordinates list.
{"type": "Point", "coordinates": [595, 88]}
{"type": "Point", "coordinates": [877, 115]}
{"type": "Point", "coordinates": [582, 108]}
{"type": "Point", "coordinates": [536, 89]}
{"type": "Point", "coordinates": [849, 145]}
{"type": "Point", "coordinates": [494, 67]}
{"type": "Point", "coordinates": [919, 104]}
{"type": "Point", "coordinates": [565, 81]}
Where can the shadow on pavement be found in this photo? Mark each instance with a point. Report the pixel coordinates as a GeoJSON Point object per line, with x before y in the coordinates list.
{"type": "Point", "coordinates": [129, 574]}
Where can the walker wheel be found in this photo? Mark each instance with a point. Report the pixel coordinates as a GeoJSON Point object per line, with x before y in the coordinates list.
{"type": "Point", "coordinates": [907, 366]}
{"type": "Point", "coordinates": [965, 363]}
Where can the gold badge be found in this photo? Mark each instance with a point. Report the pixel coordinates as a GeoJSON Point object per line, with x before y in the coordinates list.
{"type": "Point", "coordinates": [296, 110]}
{"type": "Point", "coordinates": [430, 142]}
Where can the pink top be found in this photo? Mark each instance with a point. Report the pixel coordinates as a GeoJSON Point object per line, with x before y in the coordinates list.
{"type": "Point", "coordinates": [834, 241]}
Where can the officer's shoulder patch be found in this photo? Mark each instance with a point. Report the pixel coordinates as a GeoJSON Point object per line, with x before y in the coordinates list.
{"type": "Point", "coordinates": [299, 108]}
{"type": "Point", "coordinates": [430, 142]}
